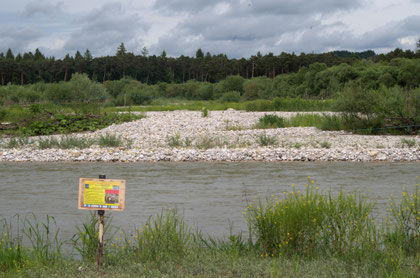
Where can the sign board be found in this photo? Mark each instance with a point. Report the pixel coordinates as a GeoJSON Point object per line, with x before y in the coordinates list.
{"type": "Point", "coordinates": [101, 194]}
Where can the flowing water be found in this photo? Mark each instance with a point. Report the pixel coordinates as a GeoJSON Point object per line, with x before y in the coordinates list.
{"type": "Point", "coordinates": [210, 196]}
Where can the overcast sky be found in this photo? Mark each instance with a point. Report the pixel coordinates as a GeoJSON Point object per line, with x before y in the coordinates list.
{"type": "Point", "coordinates": [238, 28]}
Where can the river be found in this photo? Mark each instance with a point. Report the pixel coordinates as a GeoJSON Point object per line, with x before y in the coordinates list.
{"type": "Point", "coordinates": [210, 196]}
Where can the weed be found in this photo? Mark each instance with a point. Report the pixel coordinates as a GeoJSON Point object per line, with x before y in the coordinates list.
{"type": "Point", "coordinates": [46, 245]}
{"type": "Point", "coordinates": [174, 141]}
{"type": "Point", "coordinates": [408, 142]}
{"type": "Point", "coordinates": [312, 222]}
{"type": "Point", "coordinates": [405, 219]}
{"type": "Point", "coordinates": [270, 121]}
{"type": "Point", "coordinates": [204, 112]}
{"type": "Point", "coordinates": [304, 120]}
{"type": "Point", "coordinates": [69, 142]}
{"type": "Point", "coordinates": [21, 141]}
{"type": "Point", "coordinates": [48, 143]}
{"type": "Point", "coordinates": [85, 241]}
{"type": "Point", "coordinates": [12, 255]}
{"type": "Point", "coordinates": [109, 140]}
{"type": "Point", "coordinates": [298, 145]}
{"type": "Point", "coordinates": [207, 142]}
{"type": "Point", "coordinates": [266, 140]}
{"type": "Point", "coordinates": [164, 235]}
{"type": "Point", "coordinates": [325, 144]}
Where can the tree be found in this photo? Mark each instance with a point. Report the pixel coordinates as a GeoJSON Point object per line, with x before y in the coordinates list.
{"type": "Point", "coordinates": [121, 50]}
{"type": "Point", "coordinates": [144, 51]}
{"type": "Point", "coordinates": [418, 47]}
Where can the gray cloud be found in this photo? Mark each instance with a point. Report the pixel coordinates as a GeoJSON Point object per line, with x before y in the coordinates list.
{"type": "Point", "coordinates": [262, 6]}
{"type": "Point", "coordinates": [43, 8]}
{"type": "Point", "coordinates": [169, 6]}
{"type": "Point", "coordinates": [102, 30]}
{"type": "Point", "coordinates": [17, 39]}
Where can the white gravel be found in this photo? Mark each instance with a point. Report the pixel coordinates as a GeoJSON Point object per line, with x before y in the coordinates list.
{"type": "Point", "coordinates": [225, 136]}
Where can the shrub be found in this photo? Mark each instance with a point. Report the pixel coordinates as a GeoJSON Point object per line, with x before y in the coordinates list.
{"type": "Point", "coordinates": [311, 222]}
{"type": "Point", "coordinates": [266, 140]}
{"type": "Point", "coordinates": [109, 140]}
{"type": "Point", "coordinates": [270, 121]}
{"type": "Point", "coordinates": [231, 96]}
{"type": "Point", "coordinates": [403, 231]}
{"type": "Point", "coordinates": [69, 142]}
{"type": "Point", "coordinates": [165, 235]}
{"type": "Point", "coordinates": [174, 141]}
{"type": "Point", "coordinates": [325, 144]}
{"type": "Point", "coordinates": [48, 143]}
{"type": "Point", "coordinates": [204, 112]}
{"type": "Point", "coordinates": [85, 241]}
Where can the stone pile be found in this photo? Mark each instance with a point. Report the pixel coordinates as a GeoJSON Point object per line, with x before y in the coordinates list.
{"type": "Point", "coordinates": [224, 136]}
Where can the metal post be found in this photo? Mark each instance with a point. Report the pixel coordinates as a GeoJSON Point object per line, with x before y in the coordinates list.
{"type": "Point", "coordinates": [101, 232]}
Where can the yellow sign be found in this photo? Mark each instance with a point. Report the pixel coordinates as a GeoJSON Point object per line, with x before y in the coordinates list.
{"type": "Point", "coordinates": [101, 194]}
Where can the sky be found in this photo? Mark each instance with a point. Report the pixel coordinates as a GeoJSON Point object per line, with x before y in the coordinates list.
{"type": "Point", "coordinates": [238, 28]}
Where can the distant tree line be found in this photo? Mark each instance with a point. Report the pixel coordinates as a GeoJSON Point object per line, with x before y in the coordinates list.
{"type": "Point", "coordinates": [30, 68]}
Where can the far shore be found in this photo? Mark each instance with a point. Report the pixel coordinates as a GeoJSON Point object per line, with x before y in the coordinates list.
{"type": "Point", "coordinates": [223, 136]}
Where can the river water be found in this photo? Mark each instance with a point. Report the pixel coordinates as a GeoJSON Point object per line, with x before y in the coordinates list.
{"type": "Point", "coordinates": [210, 196]}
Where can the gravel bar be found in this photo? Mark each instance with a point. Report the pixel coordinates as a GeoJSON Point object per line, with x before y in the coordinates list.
{"type": "Point", "coordinates": [223, 136]}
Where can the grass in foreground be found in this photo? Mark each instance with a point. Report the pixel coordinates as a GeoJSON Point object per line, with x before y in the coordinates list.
{"type": "Point", "coordinates": [309, 233]}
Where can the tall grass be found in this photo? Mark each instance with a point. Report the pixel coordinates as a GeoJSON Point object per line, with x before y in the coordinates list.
{"type": "Point", "coordinates": [312, 223]}
{"type": "Point", "coordinates": [85, 240]}
{"type": "Point", "coordinates": [44, 238]}
{"type": "Point", "coordinates": [12, 255]}
{"type": "Point", "coordinates": [165, 234]}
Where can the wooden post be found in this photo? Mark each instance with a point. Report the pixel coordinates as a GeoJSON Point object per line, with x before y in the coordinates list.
{"type": "Point", "coordinates": [101, 232]}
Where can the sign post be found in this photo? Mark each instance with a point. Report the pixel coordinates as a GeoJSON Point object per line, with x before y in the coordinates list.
{"type": "Point", "coordinates": [101, 194]}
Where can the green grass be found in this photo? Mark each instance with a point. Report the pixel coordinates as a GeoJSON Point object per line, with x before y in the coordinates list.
{"type": "Point", "coordinates": [308, 233]}
{"type": "Point", "coordinates": [270, 121]}
{"type": "Point", "coordinates": [110, 140]}
{"type": "Point", "coordinates": [266, 140]}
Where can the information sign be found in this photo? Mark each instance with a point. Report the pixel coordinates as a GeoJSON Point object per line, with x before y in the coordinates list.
{"type": "Point", "coordinates": [101, 194]}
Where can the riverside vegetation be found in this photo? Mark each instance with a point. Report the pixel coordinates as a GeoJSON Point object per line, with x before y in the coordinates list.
{"type": "Point", "coordinates": [372, 97]}
{"type": "Point", "coordinates": [307, 232]}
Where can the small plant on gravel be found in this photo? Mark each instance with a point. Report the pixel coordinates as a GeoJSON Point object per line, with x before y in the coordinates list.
{"type": "Point", "coordinates": [69, 142]}
{"type": "Point", "coordinates": [298, 145]}
{"type": "Point", "coordinates": [48, 143]}
{"type": "Point", "coordinates": [207, 142]}
{"type": "Point", "coordinates": [266, 140]}
{"type": "Point", "coordinates": [325, 144]}
{"type": "Point", "coordinates": [270, 121]}
{"type": "Point", "coordinates": [408, 142]}
{"type": "Point", "coordinates": [174, 140]}
{"type": "Point", "coordinates": [18, 142]}
{"type": "Point", "coordinates": [187, 142]}
{"type": "Point", "coordinates": [204, 112]}
{"type": "Point", "coordinates": [109, 140]}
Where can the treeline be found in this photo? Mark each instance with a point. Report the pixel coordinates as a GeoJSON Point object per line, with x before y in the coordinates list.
{"type": "Point", "coordinates": [317, 81]}
{"type": "Point", "coordinates": [30, 68]}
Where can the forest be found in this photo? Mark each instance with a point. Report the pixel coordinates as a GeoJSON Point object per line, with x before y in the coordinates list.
{"type": "Point", "coordinates": [29, 68]}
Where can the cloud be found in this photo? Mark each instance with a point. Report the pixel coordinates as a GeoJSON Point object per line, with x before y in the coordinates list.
{"type": "Point", "coordinates": [278, 7]}
{"type": "Point", "coordinates": [17, 39]}
{"type": "Point", "coordinates": [103, 29]}
{"type": "Point", "coordinates": [43, 8]}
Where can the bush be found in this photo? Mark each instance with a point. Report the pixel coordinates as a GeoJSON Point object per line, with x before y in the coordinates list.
{"type": "Point", "coordinates": [311, 222]}
{"type": "Point", "coordinates": [266, 140]}
{"type": "Point", "coordinates": [270, 121]}
{"type": "Point", "coordinates": [231, 96]}
{"type": "Point", "coordinates": [403, 230]}
{"type": "Point", "coordinates": [165, 235]}
{"type": "Point", "coordinates": [109, 140]}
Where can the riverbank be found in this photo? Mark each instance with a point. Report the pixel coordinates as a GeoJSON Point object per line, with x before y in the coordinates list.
{"type": "Point", "coordinates": [222, 136]}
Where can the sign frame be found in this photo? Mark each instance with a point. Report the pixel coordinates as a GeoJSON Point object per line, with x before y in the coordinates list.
{"type": "Point", "coordinates": [121, 194]}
